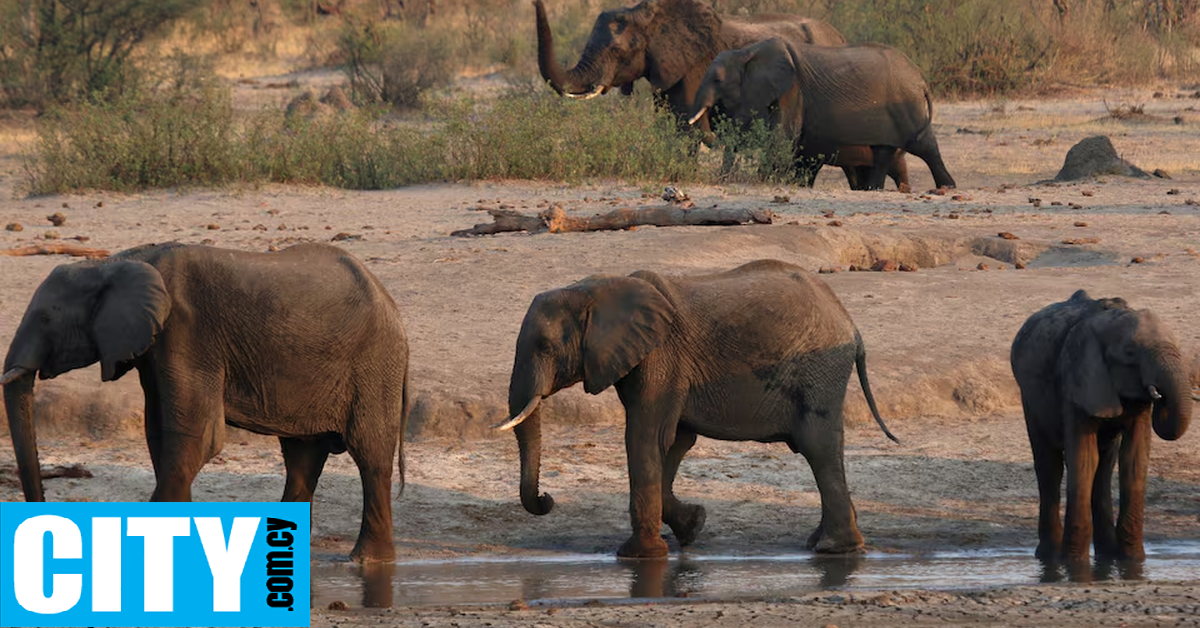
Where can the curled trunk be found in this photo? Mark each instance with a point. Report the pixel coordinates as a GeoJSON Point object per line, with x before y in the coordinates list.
{"type": "Point", "coordinates": [578, 80]}
{"type": "Point", "coordinates": [18, 402]}
{"type": "Point", "coordinates": [1173, 412]}
{"type": "Point", "coordinates": [529, 439]}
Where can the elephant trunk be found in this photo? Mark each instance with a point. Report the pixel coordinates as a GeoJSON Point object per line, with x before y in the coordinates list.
{"type": "Point", "coordinates": [580, 81]}
{"type": "Point", "coordinates": [18, 402]}
{"type": "Point", "coordinates": [704, 100]}
{"type": "Point", "coordinates": [529, 439]}
{"type": "Point", "coordinates": [1173, 411]}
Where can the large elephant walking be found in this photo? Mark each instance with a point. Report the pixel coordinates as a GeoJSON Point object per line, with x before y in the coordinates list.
{"type": "Point", "coordinates": [762, 352]}
{"type": "Point", "coordinates": [827, 98]}
{"type": "Point", "coordinates": [669, 43]}
{"type": "Point", "coordinates": [304, 344]}
{"type": "Point", "coordinates": [1095, 377]}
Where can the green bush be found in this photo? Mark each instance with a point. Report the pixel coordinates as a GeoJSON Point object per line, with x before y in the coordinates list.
{"type": "Point", "coordinates": [754, 152]}
{"type": "Point", "coordinates": [395, 62]}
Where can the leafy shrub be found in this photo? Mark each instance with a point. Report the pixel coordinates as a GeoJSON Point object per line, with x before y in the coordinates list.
{"type": "Point", "coordinates": [395, 62]}
{"type": "Point", "coordinates": [754, 152]}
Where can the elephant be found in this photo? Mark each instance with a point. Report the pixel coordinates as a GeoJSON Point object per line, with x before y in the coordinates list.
{"type": "Point", "coordinates": [669, 43]}
{"type": "Point", "coordinates": [762, 352]}
{"type": "Point", "coordinates": [304, 344]}
{"type": "Point", "coordinates": [1095, 376]}
{"type": "Point", "coordinates": [828, 98]}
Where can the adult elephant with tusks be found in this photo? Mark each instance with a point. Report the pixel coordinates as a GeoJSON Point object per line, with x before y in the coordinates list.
{"type": "Point", "coordinates": [762, 352]}
{"type": "Point", "coordinates": [1096, 376]}
{"type": "Point", "coordinates": [669, 43]}
{"type": "Point", "coordinates": [304, 344]}
{"type": "Point", "coordinates": [827, 98]}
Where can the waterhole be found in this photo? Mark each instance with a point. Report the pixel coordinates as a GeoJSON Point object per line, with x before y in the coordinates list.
{"type": "Point", "coordinates": [578, 578]}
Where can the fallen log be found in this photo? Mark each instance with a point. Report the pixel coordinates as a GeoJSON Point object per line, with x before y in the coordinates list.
{"type": "Point", "coordinates": [555, 220]}
{"type": "Point", "coordinates": [57, 248]}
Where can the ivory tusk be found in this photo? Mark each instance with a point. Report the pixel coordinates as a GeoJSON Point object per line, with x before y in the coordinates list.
{"type": "Point", "coordinates": [1154, 393]}
{"type": "Point", "coordinates": [1196, 396]}
{"type": "Point", "coordinates": [517, 420]}
{"type": "Point", "coordinates": [12, 375]}
{"type": "Point", "coordinates": [592, 94]}
{"type": "Point", "coordinates": [696, 118]}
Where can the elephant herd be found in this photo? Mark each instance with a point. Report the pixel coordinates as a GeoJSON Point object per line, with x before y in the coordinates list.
{"type": "Point", "coordinates": [861, 107]}
{"type": "Point", "coordinates": [306, 344]}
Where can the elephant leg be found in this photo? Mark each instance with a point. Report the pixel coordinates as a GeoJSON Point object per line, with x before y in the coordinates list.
{"type": "Point", "coordinates": [1134, 457]}
{"type": "Point", "coordinates": [153, 417]}
{"type": "Point", "coordinates": [1104, 531]}
{"type": "Point", "coordinates": [820, 439]}
{"type": "Point", "coordinates": [925, 146]}
{"type": "Point", "coordinates": [305, 459]}
{"type": "Point", "coordinates": [1083, 458]}
{"type": "Point", "coordinates": [374, 451]}
{"type": "Point", "coordinates": [898, 171]}
{"type": "Point", "coordinates": [191, 430]}
{"type": "Point", "coordinates": [881, 160]}
{"type": "Point", "coordinates": [686, 520]}
{"type": "Point", "coordinates": [853, 176]}
{"type": "Point", "coordinates": [1048, 464]}
{"type": "Point", "coordinates": [646, 445]}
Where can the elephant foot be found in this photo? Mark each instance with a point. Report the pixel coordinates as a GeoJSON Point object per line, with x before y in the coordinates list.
{"type": "Point", "coordinates": [373, 552]}
{"type": "Point", "coordinates": [1131, 552]}
{"type": "Point", "coordinates": [1048, 551]}
{"type": "Point", "coordinates": [643, 547]}
{"type": "Point", "coordinates": [686, 522]}
{"type": "Point", "coordinates": [822, 543]}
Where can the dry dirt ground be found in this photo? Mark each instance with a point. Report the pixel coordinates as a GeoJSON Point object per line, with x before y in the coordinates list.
{"type": "Point", "coordinates": [937, 343]}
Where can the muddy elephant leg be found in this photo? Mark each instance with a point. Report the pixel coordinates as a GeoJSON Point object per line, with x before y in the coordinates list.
{"type": "Point", "coordinates": [1134, 457]}
{"type": "Point", "coordinates": [646, 445]}
{"type": "Point", "coordinates": [686, 520]}
{"type": "Point", "coordinates": [374, 451]}
{"type": "Point", "coordinates": [1104, 531]}
{"type": "Point", "coordinates": [304, 459]}
{"type": "Point", "coordinates": [925, 146]}
{"type": "Point", "coordinates": [820, 440]}
{"type": "Point", "coordinates": [1083, 457]}
{"type": "Point", "coordinates": [1048, 465]}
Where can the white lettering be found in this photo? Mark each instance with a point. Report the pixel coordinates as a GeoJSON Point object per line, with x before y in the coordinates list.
{"type": "Point", "coordinates": [227, 563]}
{"type": "Point", "coordinates": [159, 533]}
{"type": "Point", "coordinates": [106, 564]}
{"type": "Point", "coordinates": [65, 542]}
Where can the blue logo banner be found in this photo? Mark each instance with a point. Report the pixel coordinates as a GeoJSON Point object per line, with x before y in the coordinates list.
{"type": "Point", "coordinates": [154, 564]}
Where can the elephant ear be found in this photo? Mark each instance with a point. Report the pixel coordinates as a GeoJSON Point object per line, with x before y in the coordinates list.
{"type": "Point", "coordinates": [769, 75]}
{"type": "Point", "coordinates": [130, 312]}
{"type": "Point", "coordinates": [1084, 373]}
{"type": "Point", "coordinates": [628, 318]}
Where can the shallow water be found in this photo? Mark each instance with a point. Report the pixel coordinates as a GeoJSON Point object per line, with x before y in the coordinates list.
{"type": "Point", "coordinates": [581, 577]}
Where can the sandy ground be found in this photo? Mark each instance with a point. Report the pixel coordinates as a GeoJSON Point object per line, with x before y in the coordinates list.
{"type": "Point", "coordinates": [937, 343]}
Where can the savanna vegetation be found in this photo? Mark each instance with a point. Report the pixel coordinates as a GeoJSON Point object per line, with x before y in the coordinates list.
{"type": "Point", "coordinates": [137, 93]}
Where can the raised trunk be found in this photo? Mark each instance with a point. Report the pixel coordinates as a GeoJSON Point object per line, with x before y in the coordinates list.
{"type": "Point", "coordinates": [578, 80]}
{"type": "Point", "coordinates": [18, 402]}
{"type": "Point", "coordinates": [1172, 413]}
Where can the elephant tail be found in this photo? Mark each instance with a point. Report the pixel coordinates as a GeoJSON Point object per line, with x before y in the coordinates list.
{"type": "Point", "coordinates": [405, 405]}
{"type": "Point", "coordinates": [860, 361]}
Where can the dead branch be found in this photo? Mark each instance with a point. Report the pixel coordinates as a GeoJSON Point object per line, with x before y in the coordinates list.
{"type": "Point", "coordinates": [555, 220]}
{"type": "Point", "coordinates": [58, 248]}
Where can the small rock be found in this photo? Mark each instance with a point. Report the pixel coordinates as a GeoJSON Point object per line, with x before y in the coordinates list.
{"type": "Point", "coordinates": [345, 236]}
{"type": "Point", "coordinates": [953, 216]}
{"type": "Point", "coordinates": [65, 205]}
{"type": "Point", "coordinates": [1037, 203]}
{"type": "Point", "coordinates": [1087, 192]}
{"type": "Point", "coordinates": [1137, 260]}
{"type": "Point", "coordinates": [207, 241]}
{"type": "Point", "coordinates": [1081, 241]}
{"type": "Point", "coordinates": [1165, 212]}
{"type": "Point", "coordinates": [908, 268]}
{"type": "Point", "coordinates": [50, 235]}
{"type": "Point", "coordinates": [1019, 266]}
{"type": "Point", "coordinates": [283, 227]}
{"type": "Point", "coordinates": [260, 227]}
{"type": "Point", "coordinates": [99, 204]}
{"type": "Point", "coordinates": [827, 270]}
{"type": "Point", "coordinates": [1007, 236]}
{"type": "Point", "coordinates": [1081, 224]}
{"type": "Point", "coordinates": [793, 222]}
{"type": "Point", "coordinates": [272, 249]}
{"type": "Point", "coordinates": [834, 223]}
{"type": "Point", "coordinates": [1055, 203]}
{"type": "Point", "coordinates": [1177, 119]}
{"type": "Point", "coordinates": [337, 605]}
{"type": "Point", "coordinates": [937, 192]}
{"type": "Point", "coordinates": [518, 605]}
{"type": "Point", "coordinates": [14, 226]}
{"type": "Point", "coordinates": [981, 266]}
{"type": "Point", "coordinates": [827, 213]}
{"type": "Point", "coordinates": [885, 266]}
{"type": "Point", "coordinates": [273, 212]}
{"type": "Point", "coordinates": [960, 197]}
{"type": "Point", "coordinates": [1160, 173]}
{"type": "Point", "coordinates": [1191, 201]}
{"type": "Point", "coordinates": [1174, 191]}
{"type": "Point", "coordinates": [781, 199]}
{"type": "Point", "coordinates": [213, 226]}
{"type": "Point", "coordinates": [57, 219]}
{"type": "Point", "coordinates": [1158, 95]}
{"type": "Point", "coordinates": [1074, 205]}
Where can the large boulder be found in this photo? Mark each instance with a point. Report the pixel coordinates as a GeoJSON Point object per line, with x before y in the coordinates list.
{"type": "Point", "coordinates": [1095, 156]}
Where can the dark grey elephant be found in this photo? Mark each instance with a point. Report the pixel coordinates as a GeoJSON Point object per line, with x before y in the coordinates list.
{"type": "Point", "coordinates": [1095, 377]}
{"type": "Point", "coordinates": [669, 43]}
{"type": "Point", "coordinates": [829, 98]}
{"type": "Point", "coordinates": [762, 352]}
{"type": "Point", "coordinates": [304, 344]}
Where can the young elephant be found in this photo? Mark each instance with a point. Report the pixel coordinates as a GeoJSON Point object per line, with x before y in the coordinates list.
{"type": "Point", "coordinates": [828, 98]}
{"type": "Point", "coordinates": [304, 344]}
{"type": "Point", "coordinates": [1095, 376]}
{"type": "Point", "coordinates": [762, 352]}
